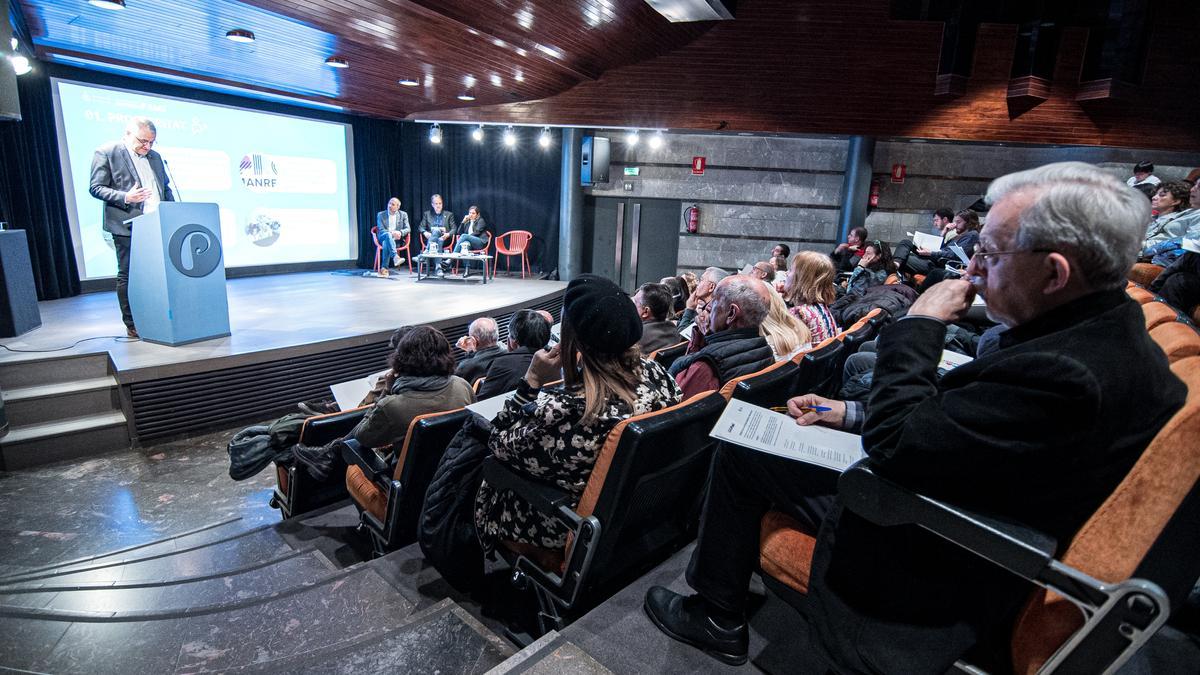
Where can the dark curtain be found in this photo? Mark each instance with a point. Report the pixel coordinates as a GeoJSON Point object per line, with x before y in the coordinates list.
{"type": "Point", "coordinates": [31, 188]}
{"type": "Point", "coordinates": [514, 188]}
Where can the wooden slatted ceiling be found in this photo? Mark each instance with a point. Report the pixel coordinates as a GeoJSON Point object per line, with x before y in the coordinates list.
{"type": "Point", "coordinates": [488, 48]}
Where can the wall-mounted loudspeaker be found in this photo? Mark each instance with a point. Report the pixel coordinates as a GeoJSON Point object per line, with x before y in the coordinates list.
{"type": "Point", "coordinates": [594, 161]}
{"type": "Point", "coordinates": [10, 107]}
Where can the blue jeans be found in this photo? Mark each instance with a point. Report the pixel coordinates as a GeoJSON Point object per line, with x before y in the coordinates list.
{"type": "Point", "coordinates": [389, 248]}
{"type": "Point", "coordinates": [476, 243]}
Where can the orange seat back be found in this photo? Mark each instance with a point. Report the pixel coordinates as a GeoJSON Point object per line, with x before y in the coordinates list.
{"type": "Point", "coordinates": [1158, 313]}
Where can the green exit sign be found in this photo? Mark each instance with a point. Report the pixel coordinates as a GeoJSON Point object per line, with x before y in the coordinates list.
{"type": "Point", "coordinates": [632, 170]}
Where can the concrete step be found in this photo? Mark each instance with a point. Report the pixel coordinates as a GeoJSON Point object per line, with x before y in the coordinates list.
{"type": "Point", "coordinates": [36, 444]}
{"type": "Point", "coordinates": [52, 402]}
{"type": "Point", "coordinates": [19, 373]}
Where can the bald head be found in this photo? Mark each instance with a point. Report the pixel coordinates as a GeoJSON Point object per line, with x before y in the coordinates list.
{"type": "Point", "coordinates": [546, 315]}
{"type": "Point", "coordinates": [485, 331]}
{"type": "Point", "coordinates": [739, 301]}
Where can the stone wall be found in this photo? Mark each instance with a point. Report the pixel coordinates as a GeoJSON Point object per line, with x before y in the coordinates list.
{"type": "Point", "coordinates": [757, 191]}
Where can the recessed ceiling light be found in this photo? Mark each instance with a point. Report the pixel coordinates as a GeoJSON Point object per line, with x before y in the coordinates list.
{"type": "Point", "coordinates": [544, 138]}
{"type": "Point", "coordinates": [408, 82]}
{"type": "Point", "coordinates": [510, 136]}
{"type": "Point", "coordinates": [631, 138]}
{"type": "Point", "coordinates": [20, 64]}
{"type": "Point", "coordinates": [656, 141]}
{"type": "Point", "coordinates": [15, 44]}
{"type": "Point", "coordinates": [435, 134]}
{"type": "Point", "coordinates": [240, 35]}
{"type": "Point", "coordinates": [465, 97]}
{"type": "Point", "coordinates": [477, 133]}
{"type": "Point", "coordinates": [336, 62]}
{"type": "Point", "coordinates": [107, 4]}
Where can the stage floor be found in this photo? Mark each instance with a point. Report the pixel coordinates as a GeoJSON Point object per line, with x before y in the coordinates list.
{"type": "Point", "coordinates": [267, 314]}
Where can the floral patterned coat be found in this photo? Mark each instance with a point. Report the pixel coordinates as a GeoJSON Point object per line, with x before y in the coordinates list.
{"type": "Point", "coordinates": [541, 436]}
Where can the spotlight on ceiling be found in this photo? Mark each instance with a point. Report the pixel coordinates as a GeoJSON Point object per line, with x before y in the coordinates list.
{"type": "Point", "coordinates": [656, 141]}
{"type": "Point", "coordinates": [20, 64]}
{"type": "Point", "coordinates": [240, 35]}
{"type": "Point", "coordinates": [15, 44]}
{"type": "Point", "coordinates": [107, 4]}
{"type": "Point", "coordinates": [510, 136]}
{"type": "Point", "coordinates": [544, 138]}
{"type": "Point", "coordinates": [680, 11]}
{"type": "Point", "coordinates": [477, 134]}
{"type": "Point", "coordinates": [336, 62]}
{"type": "Point", "coordinates": [631, 138]}
{"type": "Point", "coordinates": [435, 134]}
{"type": "Point", "coordinates": [465, 97]}
{"type": "Point", "coordinates": [408, 82]}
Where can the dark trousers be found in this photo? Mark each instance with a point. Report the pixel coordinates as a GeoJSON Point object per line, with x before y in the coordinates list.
{"type": "Point", "coordinates": [910, 261]}
{"type": "Point", "coordinates": [122, 244]}
{"type": "Point", "coordinates": [742, 486]}
{"type": "Point", "coordinates": [1179, 284]}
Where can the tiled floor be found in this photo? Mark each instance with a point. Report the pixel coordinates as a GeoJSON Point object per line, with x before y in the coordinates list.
{"type": "Point", "coordinates": [73, 509]}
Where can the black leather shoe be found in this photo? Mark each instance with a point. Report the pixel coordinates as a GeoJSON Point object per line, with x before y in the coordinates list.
{"type": "Point", "coordinates": [687, 620]}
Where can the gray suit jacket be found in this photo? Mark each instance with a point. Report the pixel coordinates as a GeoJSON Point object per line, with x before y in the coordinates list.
{"type": "Point", "coordinates": [113, 175]}
{"type": "Point", "coordinates": [381, 221]}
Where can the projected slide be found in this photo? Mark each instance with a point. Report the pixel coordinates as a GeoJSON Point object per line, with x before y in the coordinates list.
{"type": "Point", "coordinates": [282, 183]}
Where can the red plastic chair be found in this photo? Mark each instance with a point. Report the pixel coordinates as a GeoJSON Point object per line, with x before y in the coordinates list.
{"type": "Point", "coordinates": [407, 248]}
{"type": "Point", "coordinates": [510, 244]}
{"type": "Point", "coordinates": [378, 248]}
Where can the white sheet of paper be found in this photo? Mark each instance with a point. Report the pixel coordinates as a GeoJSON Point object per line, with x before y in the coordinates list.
{"type": "Point", "coordinates": [1192, 245]}
{"type": "Point", "coordinates": [979, 301]}
{"type": "Point", "coordinates": [777, 434]}
{"type": "Point", "coordinates": [349, 394]}
{"type": "Point", "coordinates": [556, 333]}
{"type": "Point", "coordinates": [931, 242]}
{"type": "Point", "coordinates": [962, 255]}
{"type": "Point", "coordinates": [951, 360]}
{"type": "Point", "coordinates": [686, 333]}
{"type": "Point", "coordinates": [490, 407]}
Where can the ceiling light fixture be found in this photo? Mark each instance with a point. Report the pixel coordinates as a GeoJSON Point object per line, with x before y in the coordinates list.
{"type": "Point", "coordinates": [408, 82]}
{"type": "Point", "coordinates": [15, 44]}
{"type": "Point", "coordinates": [20, 64]}
{"type": "Point", "coordinates": [465, 97]}
{"type": "Point", "coordinates": [337, 62]}
{"type": "Point", "coordinates": [240, 35]}
{"type": "Point", "coordinates": [656, 141]}
{"type": "Point", "coordinates": [510, 136]}
{"type": "Point", "coordinates": [544, 138]}
{"type": "Point", "coordinates": [107, 4]}
{"type": "Point", "coordinates": [477, 134]}
{"type": "Point", "coordinates": [631, 138]}
{"type": "Point", "coordinates": [435, 134]}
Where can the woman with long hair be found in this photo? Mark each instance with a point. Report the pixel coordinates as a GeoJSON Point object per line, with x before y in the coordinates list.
{"type": "Point", "coordinates": [809, 291]}
{"type": "Point", "coordinates": [785, 333]}
{"type": "Point", "coordinates": [554, 436]}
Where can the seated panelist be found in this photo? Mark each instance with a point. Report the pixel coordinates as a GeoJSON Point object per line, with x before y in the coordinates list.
{"type": "Point", "coordinates": [437, 218]}
{"type": "Point", "coordinates": [391, 225]}
{"type": "Point", "coordinates": [472, 232]}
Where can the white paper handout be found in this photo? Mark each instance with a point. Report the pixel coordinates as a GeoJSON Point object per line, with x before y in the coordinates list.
{"type": "Point", "coordinates": [962, 255]}
{"type": "Point", "coordinates": [349, 394]}
{"type": "Point", "coordinates": [951, 360]}
{"type": "Point", "coordinates": [929, 242]}
{"type": "Point", "coordinates": [686, 333]}
{"type": "Point", "coordinates": [490, 407]}
{"type": "Point", "coordinates": [777, 434]}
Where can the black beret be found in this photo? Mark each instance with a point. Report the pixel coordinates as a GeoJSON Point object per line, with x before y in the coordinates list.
{"type": "Point", "coordinates": [601, 314]}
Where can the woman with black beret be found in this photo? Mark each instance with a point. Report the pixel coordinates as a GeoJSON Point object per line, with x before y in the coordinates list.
{"type": "Point", "coordinates": [555, 436]}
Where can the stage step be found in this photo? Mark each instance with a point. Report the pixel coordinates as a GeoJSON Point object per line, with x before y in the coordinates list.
{"type": "Point", "coordinates": [48, 402]}
{"type": "Point", "coordinates": [35, 372]}
{"type": "Point", "coordinates": [36, 444]}
{"type": "Point", "coordinates": [347, 607]}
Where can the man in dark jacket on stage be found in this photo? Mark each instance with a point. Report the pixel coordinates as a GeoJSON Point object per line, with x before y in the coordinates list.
{"type": "Point", "coordinates": [1038, 432]}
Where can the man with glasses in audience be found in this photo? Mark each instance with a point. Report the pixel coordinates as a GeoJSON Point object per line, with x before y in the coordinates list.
{"type": "Point", "coordinates": [1038, 431]}
{"type": "Point", "coordinates": [130, 178]}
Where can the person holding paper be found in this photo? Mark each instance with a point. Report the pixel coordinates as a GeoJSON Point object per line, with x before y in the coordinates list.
{"type": "Point", "coordinates": [919, 260]}
{"type": "Point", "coordinates": [1036, 432]}
{"type": "Point", "coordinates": [131, 179]}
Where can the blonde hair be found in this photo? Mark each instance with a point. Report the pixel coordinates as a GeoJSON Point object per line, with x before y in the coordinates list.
{"type": "Point", "coordinates": [811, 280]}
{"type": "Point", "coordinates": [784, 332]}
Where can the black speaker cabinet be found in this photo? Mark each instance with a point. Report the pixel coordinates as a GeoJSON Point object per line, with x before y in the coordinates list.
{"type": "Point", "coordinates": [594, 161]}
{"type": "Point", "coordinates": [18, 296]}
{"type": "Point", "coordinates": [10, 107]}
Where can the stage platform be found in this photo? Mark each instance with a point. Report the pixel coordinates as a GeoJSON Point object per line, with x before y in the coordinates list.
{"type": "Point", "coordinates": [292, 336]}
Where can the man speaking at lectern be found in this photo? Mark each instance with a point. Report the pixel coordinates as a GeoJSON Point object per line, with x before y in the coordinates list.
{"type": "Point", "coordinates": [130, 179]}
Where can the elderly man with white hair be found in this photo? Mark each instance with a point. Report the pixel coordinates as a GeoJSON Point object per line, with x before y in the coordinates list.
{"type": "Point", "coordinates": [729, 342]}
{"type": "Point", "coordinates": [698, 300]}
{"type": "Point", "coordinates": [1037, 432]}
{"type": "Point", "coordinates": [482, 342]}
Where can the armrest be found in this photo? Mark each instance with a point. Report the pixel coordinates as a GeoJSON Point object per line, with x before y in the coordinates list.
{"type": "Point", "coordinates": [547, 499]}
{"type": "Point", "coordinates": [1019, 549]}
{"type": "Point", "coordinates": [365, 458]}
{"type": "Point", "coordinates": [322, 429]}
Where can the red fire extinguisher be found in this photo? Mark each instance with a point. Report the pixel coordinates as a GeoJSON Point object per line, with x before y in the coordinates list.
{"type": "Point", "coordinates": [693, 218]}
{"type": "Point", "coordinates": [873, 201]}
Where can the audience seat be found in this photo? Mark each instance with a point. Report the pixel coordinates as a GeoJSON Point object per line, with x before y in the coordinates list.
{"type": "Point", "coordinates": [1158, 313]}
{"type": "Point", "coordinates": [1144, 273]}
{"type": "Point", "coordinates": [1130, 563]}
{"type": "Point", "coordinates": [892, 278]}
{"type": "Point", "coordinates": [771, 386]}
{"type": "Point", "coordinates": [861, 331]}
{"type": "Point", "coordinates": [640, 504]}
{"type": "Point", "coordinates": [389, 500]}
{"type": "Point", "coordinates": [820, 372]}
{"type": "Point", "coordinates": [667, 355]}
{"type": "Point", "coordinates": [478, 383]}
{"type": "Point", "coordinates": [1178, 340]}
{"type": "Point", "coordinates": [297, 492]}
{"type": "Point", "coordinates": [1141, 295]}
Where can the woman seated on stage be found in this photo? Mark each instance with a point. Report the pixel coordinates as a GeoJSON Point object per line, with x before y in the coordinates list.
{"type": "Point", "coordinates": [555, 436]}
{"type": "Point", "coordinates": [472, 232]}
{"type": "Point", "coordinates": [422, 381]}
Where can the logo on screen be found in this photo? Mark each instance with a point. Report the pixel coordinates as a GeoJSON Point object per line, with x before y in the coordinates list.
{"type": "Point", "coordinates": [195, 251]}
{"type": "Point", "coordinates": [258, 172]}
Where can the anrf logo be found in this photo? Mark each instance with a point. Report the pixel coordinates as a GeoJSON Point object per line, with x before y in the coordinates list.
{"type": "Point", "coordinates": [195, 251]}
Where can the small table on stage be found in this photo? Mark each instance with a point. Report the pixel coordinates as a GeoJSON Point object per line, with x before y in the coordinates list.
{"type": "Point", "coordinates": [426, 261]}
